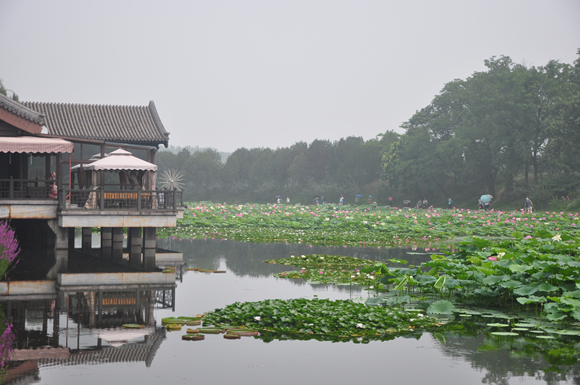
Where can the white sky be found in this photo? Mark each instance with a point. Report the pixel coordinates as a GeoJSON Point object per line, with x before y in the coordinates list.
{"type": "Point", "coordinates": [230, 74]}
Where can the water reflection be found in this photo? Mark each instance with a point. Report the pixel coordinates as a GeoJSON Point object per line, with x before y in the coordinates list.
{"type": "Point", "coordinates": [244, 259]}
{"type": "Point", "coordinates": [61, 339]}
{"type": "Point", "coordinates": [503, 361]}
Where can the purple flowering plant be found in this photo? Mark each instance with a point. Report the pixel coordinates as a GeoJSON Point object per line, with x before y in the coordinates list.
{"type": "Point", "coordinates": [8, 248]}
{"type": "Point", "coordinates": [8, 256]}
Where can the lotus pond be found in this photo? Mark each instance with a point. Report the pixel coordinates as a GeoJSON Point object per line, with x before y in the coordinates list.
{"type": "Point", "coordinates": [367, 225]}
{"type": "Point", "coordinates": [323, 332]}
{"type": "Point", "coordinates": [332, 290]}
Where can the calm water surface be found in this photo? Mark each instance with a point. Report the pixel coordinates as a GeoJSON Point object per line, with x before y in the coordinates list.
{"type": "Point", "coordinates": [166, 359]}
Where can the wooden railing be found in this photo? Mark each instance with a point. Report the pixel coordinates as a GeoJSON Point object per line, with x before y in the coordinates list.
{"type": "Point", "coordinates": [133, 200]}
{"type": "Point", "coordinates": [27, 189]}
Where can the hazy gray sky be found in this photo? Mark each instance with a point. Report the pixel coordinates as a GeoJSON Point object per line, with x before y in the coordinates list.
{"type": "Point", "coordinates": [229, 74]}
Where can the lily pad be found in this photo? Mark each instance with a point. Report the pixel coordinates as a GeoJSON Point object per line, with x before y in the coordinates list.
{"type": "Point", "coordinates": [192, 337]}
{"type": "Point", "coordinates": [497, 325]}
{"type": "Point", "coordinates": [230, 336]}
{"type": "Point", "coordinates": [172, 320]}
{"type": "Point", "coordinates": [505, 334]}
{"type": "Point", "coordinates": [133, 326]}
{"type": "Point", "coordinates": [244, 333]}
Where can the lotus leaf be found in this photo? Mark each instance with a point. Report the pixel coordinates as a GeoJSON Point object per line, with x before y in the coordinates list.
{"type": "Point", "coordinates": [441, 307]}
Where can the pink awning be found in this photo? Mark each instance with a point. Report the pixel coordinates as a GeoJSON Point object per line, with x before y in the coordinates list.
{"type": "Point", "coordinates": [33, 144]}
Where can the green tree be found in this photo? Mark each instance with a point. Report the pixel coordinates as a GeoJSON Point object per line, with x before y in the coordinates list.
{"type": "Point", "coordinates": [4, 91]}
{"type": "Point", "coordinates": [203, 172]}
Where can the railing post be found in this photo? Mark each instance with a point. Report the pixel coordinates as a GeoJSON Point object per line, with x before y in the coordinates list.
{"type": "Point", "coordinates": [174, 201]}
{"type": "Point", "coordinates": [102, 199]}
{"type": "Point", "coordinates": [138, 200]}
{"type": "Point", "coordinates": [11, 188]}
{"type": "Point", "coordinates": [62, 198]}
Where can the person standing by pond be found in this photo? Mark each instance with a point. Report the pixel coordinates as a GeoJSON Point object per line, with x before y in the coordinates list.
{"type": "Point", "coordinates": [391, 201]}
{"type": "Point", "coordinates": [450, 203]}
{"type": "Point", "coordinates": [479, 204]}
{"type": "Point", "coordinates": [425, 203]}
{"type": "Point", "coordinates": [316, 201]}
{"type": "Point", "coordinates": [287, 200]}
{"type": "Point", "coordinates": [370, 199]}
{"type": "Point", "coordinates": [528, 206]}
{"type": "Point", "coordinates": [419, 203]}
{"type": "Point", "coordinates": [341, 201]}
{"type": "Point", "coordinates": [323, 200]}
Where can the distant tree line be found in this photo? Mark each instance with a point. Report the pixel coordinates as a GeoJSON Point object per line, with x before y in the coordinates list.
{"type": "Point", "coordinates": [510, 131]}
{"type": "Point", "coordinates": [300, 171]}
{"type": "Point", "coordinates": [192, 149]}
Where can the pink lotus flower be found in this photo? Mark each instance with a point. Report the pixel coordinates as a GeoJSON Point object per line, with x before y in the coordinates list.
{"type": "Point", "coordinates": [492, 258]}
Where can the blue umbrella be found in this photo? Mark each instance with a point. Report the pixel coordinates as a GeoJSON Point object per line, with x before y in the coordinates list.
{"type": "Point", "coordinates": [278, 196]}
{"type": "Point", "coordinates": [486, 198]}
{"type": "Point", "coordinates": [358, 196]}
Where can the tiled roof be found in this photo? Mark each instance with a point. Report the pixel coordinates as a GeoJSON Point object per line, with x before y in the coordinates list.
{"type": "Point", "coordinates": [125, 124]}
{"type": "Point", "coordinates": [21, 110]}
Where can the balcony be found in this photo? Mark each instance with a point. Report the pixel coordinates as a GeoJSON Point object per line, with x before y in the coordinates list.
{"type": "Point", "coordinates": [33, 189]}
{"type": "Point", "coordinates": [37, 199]}
{"type": "Point", "coordinates": [119, 208]}
{"type": "Point", "coordinates": [121, 200]}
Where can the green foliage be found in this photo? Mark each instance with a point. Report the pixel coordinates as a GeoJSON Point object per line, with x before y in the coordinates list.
{"type": "Point", "coordinates": [340, 320]}
{"type": "Point", "coordinates": [328, 269]}
{"type": "Point", "coordinates": [366, 225]}
{"type": "Point", "coordinates": [506, 123]}
{"type": "Point", "coordinates": [441, 307]}
{"type": "Point", "coordinates": [541, 272]}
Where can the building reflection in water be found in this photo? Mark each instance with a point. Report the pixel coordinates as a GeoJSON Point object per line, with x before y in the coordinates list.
{"type": "Point", "coordinates": [84, 327]}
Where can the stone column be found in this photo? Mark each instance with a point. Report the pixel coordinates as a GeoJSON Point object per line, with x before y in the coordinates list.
{"type": "Point", "coordinates": [61, 244]}
{"type": "Point", "coordinates": [150, 247]}
{"type": "Point", "coordinates": [118, 245]}
{"type": "Point", "coordinates": [106, 243]}
{"type": "Point", "coordinates": [87, 239]}
{"type": "Point", "coordinates": [135, 240]}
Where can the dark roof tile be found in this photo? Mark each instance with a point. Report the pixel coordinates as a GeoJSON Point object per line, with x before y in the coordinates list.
{"type": "Point", "coordinates": [21, 110]}
{"type": "Point", "coordinates": [126, 124]}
